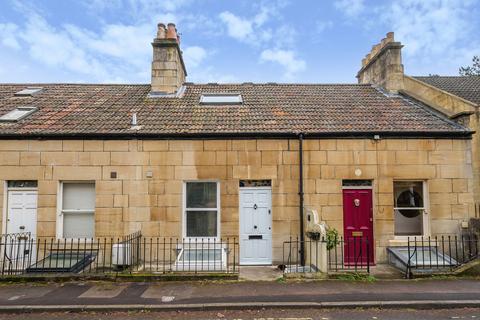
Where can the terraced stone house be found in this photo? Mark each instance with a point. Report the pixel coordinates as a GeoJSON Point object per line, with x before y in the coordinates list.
{"type": "Point", "coordinates": [203, 161]}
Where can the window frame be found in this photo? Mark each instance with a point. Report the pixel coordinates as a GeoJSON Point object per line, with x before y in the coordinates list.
{"type": "Point", "coordinates": [27, 112]}
{"type": "Point", "coordinates": [204, 98]}
{"type": "Point", "coordinates": [185, 209]}
{"type": "Point", "coordinates": [60, 211]}
{"type": "Point", "coordinates": [425, 208]}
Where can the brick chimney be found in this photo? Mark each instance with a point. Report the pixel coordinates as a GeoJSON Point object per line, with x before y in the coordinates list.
{"type": "Point", "coordinates": [168, 69]}
{"type": "Point", "coordinates": [383, 65]}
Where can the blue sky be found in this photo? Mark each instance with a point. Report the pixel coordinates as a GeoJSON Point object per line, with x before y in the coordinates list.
{"type": "Point", "coordinates": [108, 41]}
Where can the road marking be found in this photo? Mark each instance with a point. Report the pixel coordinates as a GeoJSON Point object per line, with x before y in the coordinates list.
{"type": "Point", "coordinates": [15, 297]}
{"type": "Point", "coordinates": [167, 298]}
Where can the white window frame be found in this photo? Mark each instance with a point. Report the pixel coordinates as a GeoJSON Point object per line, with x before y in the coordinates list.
{"type": "Point", "coordinates": [426, 209]}
{"type": "Point", "coordinates": [184, 211]}
{"type": "Point", "coordinates": [7, 117]}
{"type": "Point", "coordinates": [206, 98]}
{"type": "Point", "coordinates": [60, 211]}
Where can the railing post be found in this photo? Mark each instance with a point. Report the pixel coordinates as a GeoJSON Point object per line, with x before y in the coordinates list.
{"type": "Point", "coordinates": [407, 267]}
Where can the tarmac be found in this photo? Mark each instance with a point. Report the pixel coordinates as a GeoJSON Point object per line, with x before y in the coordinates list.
{"type": "Point", "coordinates": [211, 295]}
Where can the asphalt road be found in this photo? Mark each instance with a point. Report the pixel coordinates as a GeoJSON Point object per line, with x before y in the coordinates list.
{"type": "Point", "coordinates": [264, 314]}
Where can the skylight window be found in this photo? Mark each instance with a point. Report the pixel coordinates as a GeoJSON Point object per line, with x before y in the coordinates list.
{"type": "Point", "coordinates": [29, 91]}
{"type": "Point", "coordinates": [18, 114]}
{"type": "Point", "coordinates": [221, 98]}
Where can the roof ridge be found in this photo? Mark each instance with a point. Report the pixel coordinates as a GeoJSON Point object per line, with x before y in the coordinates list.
{"type": "Point", "coordinates": [71, 84]}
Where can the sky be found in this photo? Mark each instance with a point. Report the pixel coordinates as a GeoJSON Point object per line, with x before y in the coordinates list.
{"type": "Point", "coordinates": [225, 41]}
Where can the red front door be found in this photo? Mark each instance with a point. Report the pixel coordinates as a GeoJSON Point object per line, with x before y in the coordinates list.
{"type": "Point", "coordinates": [358, 226]}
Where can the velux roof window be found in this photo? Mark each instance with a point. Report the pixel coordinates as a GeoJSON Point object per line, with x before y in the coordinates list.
{"type": "Point", "coordinates": [221, 98]}
{"type": "Point", "coordinates": [29, 91]}
{"type": "Point", "coordinates": [18, 114]}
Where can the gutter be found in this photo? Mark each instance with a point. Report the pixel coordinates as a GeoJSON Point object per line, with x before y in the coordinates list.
{"type": "Point", "coordinates": [300, 196]}
{"type": "Point", "coordinates": [461, 134]}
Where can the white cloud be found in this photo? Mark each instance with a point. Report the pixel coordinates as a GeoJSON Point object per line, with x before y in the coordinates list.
{"type": "Point", "coordinates": [428, 26]}
{"type": "Point", "coordinates": [286, 58]}
{"type": "Point", "coordinates": [238, 28]}
{"type": "Point", "coordinates": [350, 7]}
{"type": "Point", "coordinates": [267, 32]}
{"type": "Point", "coordinates": [141, 10]}
{"type": "Point", "coordinates": [7, 35]}
{"type": "Point", "coordinates": [255, 30]}
{"type": "Point", "coordinates": [56, 48]}
{"type": "Point", "coordinates": [194, 56]}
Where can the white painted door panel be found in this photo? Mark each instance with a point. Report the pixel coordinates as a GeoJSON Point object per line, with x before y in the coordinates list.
{"type": "Point", "coordinates": [255, 226]}
{"type": "Point", "coordinates": [22, 212]}
{"type": "Point", "coordinates": [20, 249]}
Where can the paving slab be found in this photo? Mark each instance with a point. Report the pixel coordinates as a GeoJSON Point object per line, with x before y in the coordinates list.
{"type": "Point", "coordinates": [106, 290]}
{"type": "Point", "coordinates": [22, 292]}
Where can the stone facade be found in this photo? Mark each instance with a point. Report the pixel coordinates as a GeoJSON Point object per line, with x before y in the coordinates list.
{"type": "Point", "coordinates": [452, 106]}
{"type": "Point", "coordinates": [147, 194]}
{"type": "Point", "coordinates": [383, 67]}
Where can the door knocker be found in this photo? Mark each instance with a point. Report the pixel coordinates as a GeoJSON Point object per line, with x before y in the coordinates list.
{"type": "Point", "coordinates": [356, 202]}
{"type": "Point", "coordinates": [255, 207]}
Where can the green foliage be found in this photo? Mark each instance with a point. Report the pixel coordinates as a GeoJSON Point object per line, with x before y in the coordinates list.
{"type": "Point", "coordinates": [332, 238]}
{"type": "Point", "coordinates": [473, 70]}
{"type": "Point", "coordinates": [355, 276]}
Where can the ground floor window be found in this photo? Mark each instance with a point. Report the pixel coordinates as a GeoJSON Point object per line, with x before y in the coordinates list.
{"type": "Point", "coordinates": [202, 203]}
{"type": "Point", "coordinates": [409, 207]}
{"type": "Point", "coordinates": [78, 210]}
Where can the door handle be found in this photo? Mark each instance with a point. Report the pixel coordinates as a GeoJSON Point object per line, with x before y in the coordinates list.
{"type": "Point", "coordinates": [254, 227]}
{"type": "Point", "coordinates": [255, 206]}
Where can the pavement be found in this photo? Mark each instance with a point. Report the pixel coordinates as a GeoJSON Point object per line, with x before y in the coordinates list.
{"type": "Point", "coordinates": [212, 295]}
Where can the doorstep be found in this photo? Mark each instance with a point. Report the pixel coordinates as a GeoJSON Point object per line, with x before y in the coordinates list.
{"type": "Point", "coordinates": [260, 273]}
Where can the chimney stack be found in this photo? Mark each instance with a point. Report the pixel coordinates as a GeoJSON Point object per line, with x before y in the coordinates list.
{"type": "Point", "coordinates": [168, 68]}
{"type": "Point", "coordinates": [383, 65]}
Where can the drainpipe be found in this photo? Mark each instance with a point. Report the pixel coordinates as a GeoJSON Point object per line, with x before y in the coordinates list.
{"type": "Point", "coordinates": [300, 195]}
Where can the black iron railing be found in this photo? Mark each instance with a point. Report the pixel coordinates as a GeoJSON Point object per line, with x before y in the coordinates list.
{"type": "Point", "coordinates": [23, 254]}
{"type": "Point", "coordinates": [350, 254]}
{"type": "Point", "coordinates": [440, 253]}
{"type": "Point", "coordinates": [336, 255]}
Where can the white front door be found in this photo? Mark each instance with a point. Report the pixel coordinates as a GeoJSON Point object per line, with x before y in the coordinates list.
{"type": "Point", "coordinates": [255, 226]}
{"type": "Point", "coordinates": [22, 211]}
{"type": "Point", "coordinates": [20, 248]}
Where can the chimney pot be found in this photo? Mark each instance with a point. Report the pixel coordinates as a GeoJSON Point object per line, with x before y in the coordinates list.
{"type": "Point", "coordinates": [171, 31]}
{"type": "Point", "coordinates": [161, 31]}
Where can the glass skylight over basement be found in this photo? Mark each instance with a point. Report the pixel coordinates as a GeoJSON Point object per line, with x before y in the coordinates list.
{"type": "Point", "coordinates": [221, 98]}
{"type": "Point", "coordinates": [18, 114]}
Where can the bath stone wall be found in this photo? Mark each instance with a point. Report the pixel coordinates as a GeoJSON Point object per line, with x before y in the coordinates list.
{"type": "Point", "coordinates": [147, 192]}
